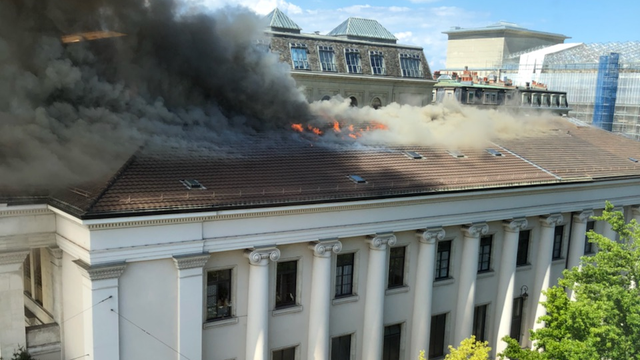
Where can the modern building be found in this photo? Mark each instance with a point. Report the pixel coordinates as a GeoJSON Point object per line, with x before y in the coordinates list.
{"type": "Point", "coordinates": [359, 59]}
{"type": "Point", "coordinates": [296, 252]}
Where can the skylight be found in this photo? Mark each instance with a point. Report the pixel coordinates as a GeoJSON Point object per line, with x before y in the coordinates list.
{"type": "Point", "coordinates": [192, 184]}
{"type": "Point", "coordinates": [414, 155]}
{"type": "Point", "coordinates": [357, 179]}
{"type": "Point", "coordinates": [456, 154]}
{"type": "Point", "coordinates": [494, 152]}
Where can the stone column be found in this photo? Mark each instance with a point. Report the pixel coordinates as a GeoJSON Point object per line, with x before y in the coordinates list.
{"type": "Point", "coordinates": [320, 303]}
{"type": "Point", "coordinates": [635, 213]}
{"type": "Point", "coordinates": [421, 322]}
{"type": "Point", "coordinates": [467, 280]}
{"type": "Point", "coordinates": [12, 329]}
{"type": "Point", "coordinates": [373, 333]}
{"type": "Point", "coordinates": [190, 298]}
{"type": "Point", "coordinates": [506, 281]}
{"type": "Point", "coordinates": [257, 345]}
{"type": "Point", "coordinates": [101, 322]}
{"type": "Point", "coordinates": [543, 264]}
{"type": "Point", "coordinates": [577, 242]}
{"type": "Point", "coordinates": [55, 257]}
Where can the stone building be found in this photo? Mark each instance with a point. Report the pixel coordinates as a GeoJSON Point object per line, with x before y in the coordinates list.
{"type": "Point", "coordinates": [359, 59]}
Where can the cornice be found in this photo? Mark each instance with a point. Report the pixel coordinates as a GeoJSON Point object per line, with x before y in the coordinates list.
{"type": "Point", "coordinates": [16, 257]}
{"type": "Point", "coordinates": [323, 248]}
{"type": "Point", "coordinates": [9, 212]}
{"type": "Point", "coordinates": [100, 272]}
{"type": "Point", "coordinates": [190, 261]}
{"type": "Point", "coordinates": [430, 235]}
{"type": "Point", "coordinates": [475, 230]}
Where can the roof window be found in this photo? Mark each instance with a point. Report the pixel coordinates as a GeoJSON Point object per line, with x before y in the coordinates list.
{"type": "Point", "coordinates": [414, 155]}
{"type": "Point", "coordinates": [192, 184]}
{"type": "Point", "coordinates": [357, 179]}
{"type": "Point", "coordinates": [494, 152]}
{"type": "Point", "coordinates": [456, 154]}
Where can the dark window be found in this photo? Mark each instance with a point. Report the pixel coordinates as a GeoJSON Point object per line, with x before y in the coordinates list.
{"type": "Point", "coordinates": [341, 348]}
{"type": "Point", "coordinates": [344, 275]}
{"type": "Point", "coordinates": [484, 258]}
{"type": "Point", "coordinates": [442, 260]}
{"type": "Point", "coordinates": [218, 294]}
{"type": "Point", "coordinates": [391, 346]}
{"type": "Point", "coordinates": [480, 322]}
{"type": "Point", "coordinates": [327, 58]}
{"type": "Point", "coordinates": [353, 62]}
{"type": "Point", "coordinates": [557, 242]}
{"type": "Point", "coordinates": [516, 318]}
{"type": "Point", "coordinates": [286, 284]}
{"type": "Point", "coordinates": [588, 246]}
{"type": "Point", "coordinates": [410, 65]}
{"type": "Point", "coordinates": [285, 354]}
{"type": "Point", "coordinates": [299, 58]}
{"type": "Point", "coordinates": [377, 63]}
{"type": "Point", "coordinates": [436, 340]}
{"type": "Point", "coordinates": [523, 248]}
{"type": "Point", "coordinates": [396, 267]}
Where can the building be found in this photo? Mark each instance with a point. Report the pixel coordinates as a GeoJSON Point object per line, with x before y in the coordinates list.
{"type": "Point", "coordinates": [299, 252]}
{"type": "Point", "coordinates": [359, 59]}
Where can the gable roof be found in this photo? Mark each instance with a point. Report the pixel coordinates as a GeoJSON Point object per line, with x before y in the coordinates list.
{"type": "Point", "coordinates": [363, 28]}
{"type": "Point", "coordinates": [280, 21]}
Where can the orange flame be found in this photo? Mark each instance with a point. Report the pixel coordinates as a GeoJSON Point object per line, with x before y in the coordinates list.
{"type": "Point", "coordinates": [315, 130]}
{"type": "Point", "coordinates": [297, 127]}
{"type": "Point", "coordinates": [336, 126]}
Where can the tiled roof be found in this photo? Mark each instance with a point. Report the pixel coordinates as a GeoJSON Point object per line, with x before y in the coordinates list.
{"type": "Point", "coordinates": [294, 172]}
{"type": "Point", "coordinates": [278, 19]}
{"type": "Point", "coordinates": [364, 28]}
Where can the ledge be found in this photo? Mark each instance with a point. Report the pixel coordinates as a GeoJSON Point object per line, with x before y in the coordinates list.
{"type": "Point", "coordinates": [287, 310]}
{"type": "Point", "coordinates": [524, 267]}
{"type": "Point", "coordinates": [397, 290]}
{"type": "Point", "coordinates": [346, 299]}
{"type": "Point", "coordinates": [485, 274]}
{"type": "Point", "coordinates": [444, 282]}
{"type": "Point", "coordinates": [559, 261]}
{"type": "Point", "coordinates": [222, 322]}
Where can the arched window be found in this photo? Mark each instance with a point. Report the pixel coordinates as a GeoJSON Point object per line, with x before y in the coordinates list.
{"type": "Point", "coordinates": [354, 101]}
{"type": "Point", "coordinates": [326, 98]}
{"type": "Point", "coordinates": [376, 103]}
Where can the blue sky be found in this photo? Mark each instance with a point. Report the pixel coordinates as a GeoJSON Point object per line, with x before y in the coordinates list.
{"type": "Point", "coordinates": [421, 22]}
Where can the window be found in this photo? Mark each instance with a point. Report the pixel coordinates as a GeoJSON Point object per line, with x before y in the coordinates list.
{"type": "Point", "coordinates": [410, 65]}
{"type": "Point", "coordinates": [262, 45]}
{"type": "Point", "coordinates": [491, 98]}
{"type": "Point", "coordinates": [344, 275]}
{"type": "Point", "coordinates": [523, 248]}
{"type": "Point", "coordinates": [480, 322]}
{"type": "Point", "coordinates": [376, 103]}
{"type": "Point", "coordinates": [516, 318]}
{"type": "Point", "coordinates": [286, 283]}
{"type": "Point", "coordinates": [285, 354]}
{"type": "Point", "coordinates": [219, 294]}
{"type": "Point", "coordinates": [327, 58]}
{"type": "Point", "coordinates": [471, 97]}
{"type": "Point", "coordinates": [391, 346]}
{"type": "Point", "coordinates": [436, 337]}
{"type": "Point", "coordinates": [588, 247]}
{"type": "Point", "coordinates": [484, 258]}
{"type": "Point", "coordinates": [299, 56]}
{"type": "Point", "coordinates": [353, 61]}
{"type": "Point", "coordinates": [442, 260]}
{"type": "Point", "coordinates": [396, 267]}
{"type": "Point", "coordinates": [341, 348]}
{"type": "Point", "coordinates": [557, 242]}
{"type": "Point", "coordinates": [377, 62]}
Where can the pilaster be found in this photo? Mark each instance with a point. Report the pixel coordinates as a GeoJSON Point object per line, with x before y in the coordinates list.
{"type": "Point", "coordinates": [12, 331]}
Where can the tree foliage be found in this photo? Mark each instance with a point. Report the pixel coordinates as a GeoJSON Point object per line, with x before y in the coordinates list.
{"type": "Point", "coordinates": [22, 354]}
{"type": "Point", "coordinates": [469, 349]}
{"type": "Point", "coordinates": [603, 321]}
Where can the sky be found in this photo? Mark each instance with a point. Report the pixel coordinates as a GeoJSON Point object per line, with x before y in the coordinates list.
{"type": "Point", "coordinates": [421, 22]}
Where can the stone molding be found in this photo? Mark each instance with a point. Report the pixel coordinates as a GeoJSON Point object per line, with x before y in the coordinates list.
{"type": "Point", "coordinates": [475, 230]}
{"type": "Point", "coordinates": [515, 225]}
{"type": "Point", "coordinates": [635, 210]}
{"type": "Point", "coordinates": [551, 220]}
{"type": "Point", "coordinates": [55, 251]}
{"type": "Point", "coordinates": [257, 255]}
{"type": "Point", "coordinates": [583, 216]}
{"type": "Point", "coordinates": [100, 272]}
{"type": "Point", "coordinates": [380, 241]}
{"type": "Point", "coordinates": [430, 235]}
{"type": "Point", "coordinates": [15, 257]}
{"type": "Point", "coordinates": [323, 248]}
{"type": "Point", "coordinates": [190, 261]}
{"type": "Point", "coordinates": [24, 212]}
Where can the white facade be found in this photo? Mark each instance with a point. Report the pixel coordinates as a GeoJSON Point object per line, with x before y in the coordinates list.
{"type": "Point", "coordinates": [135, 287]}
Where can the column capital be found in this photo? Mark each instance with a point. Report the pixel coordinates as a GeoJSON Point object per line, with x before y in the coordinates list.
{"type": "Point", "coordinates": [55, 251]}
{"type": "Point", "coordinates": [323, 248]}
{"type": "Point", "coordinates": [430, 235]}
{"type": "Point", "coordinates": [100, 272]}
{"type": "Point", "coordinates": [635, 210]}
{"type": "Point", "coordinates": [262, 255]}
{"type": "Point", "coordinates": [551, 220]}
{"type": "Point", "coordinates": [475, 230]}
{"type": "Point", "coordinates": [515, 225]}
{"type": "Point", "coordinates": [14, 257]}
{"type": "Point", "coordinates": [380, 241]}
{"type": "Point", "coordinates": [190, 261]}
{"type": "Point", "coordinates": [583, 216]}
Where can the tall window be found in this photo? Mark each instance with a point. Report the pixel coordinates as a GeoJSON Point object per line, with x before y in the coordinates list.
{"type": "Point", "coordinates": [480, 322]}
{"type": "Point", "coordinates": [391, 346]}
{"type": "Point", "coordinates": [442, 260]}
{"type": "Point", "coordinates": [396, 267]}
{"type": "Point", "coordinates": [353, 61]}
{"type": "Point", "coordinates": [516, 318]}
{"type": "Point", "coordinates": [344, 275]}
{"type": "Point", "coordinates": [286, 283]}
{"type": "Point", "coordinates": [484, 258]}
{"type": "Point", "coordinates": [341, 348]}
{"type": "Point", "coordinates": [523, 248]}
{"type": "Point", "coordinates": [327, 58]}
{"type": "Point", "coordinates": [285, 354]}
{"type": "Point", "coordinates": [377, 63]}
{"type": "Point", "coordinates": [588, 246]}
{"type": "Point", "coordinates": [299, 56]}
{"type": "Point", "coordinates": [219, 294]}
{"type": "Point", "coordinates": [410, 65]}
{"type": "Point", "coordinates": [557, 242]}
{"type": "Point", "coordinates": [436, 337]}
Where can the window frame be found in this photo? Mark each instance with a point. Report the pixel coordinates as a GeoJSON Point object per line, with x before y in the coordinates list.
{"type": "Point", "coordinates": [437, 336]}
{"type": "Point", "coordinates": [589, 247]}
{"type": "Point", "coordinates": [301, 49]}
{"type": "Point", "coordinates": [294, 349]}
{"type": "Point", "coordinates": [411, 71]}
{"type": "Point", "coordinates": [337, 295]}
{"type": "Point", "coordinates": [521, 250]}
{"type": "Point", "coordinates": [386, 338]}
{"type": "Point", "coordinates": [558, 235]}
{"type": "Point", "coordinates": [517, 318]}
{"type": "Point", "coordinates": [377, 56]}
{"type": "Point", "coordinates": [480, 322]}
{"type": "Point", "coordinates": [485, 250]}
{"type": "Point", "coordinates": [231, 296]}
{"type": "Point", "coordinates": [439, 267]}
{"type": "Point", "coordinates": [332, 346]}
{"type": "Point", "coordinates": [400, 270]}
{"type": "Point", "coordinates": [282, 304]}
{"type": "Point", "coordinates": [358, 66]}
{"type": "Point", "coordinates": [328, 50]}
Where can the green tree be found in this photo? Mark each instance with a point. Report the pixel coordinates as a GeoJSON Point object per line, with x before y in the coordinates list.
{"type": "Point", "coordinates": [469, 349]}
{"type": "Point", "coordinates": [22, 354]}
{"type": "Point", "coordinates": [603, 322]}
